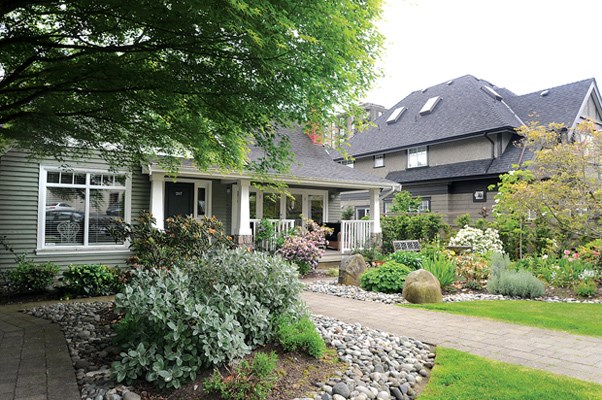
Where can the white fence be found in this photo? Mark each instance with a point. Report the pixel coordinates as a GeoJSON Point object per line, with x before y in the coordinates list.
{"type": "Point", "coordinates": [355, 235]}
{"type": "Point", "coordinates": [280, 226]}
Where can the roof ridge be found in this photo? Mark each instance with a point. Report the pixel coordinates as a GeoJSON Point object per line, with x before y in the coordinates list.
{"type": "Point", "coordinates": [556, 87]}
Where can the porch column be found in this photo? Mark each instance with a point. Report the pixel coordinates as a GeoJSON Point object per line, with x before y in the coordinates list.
{"type": "Point", "coordinates": [243, 234]}
{"type": "Point", "coordinates": [157, 206]}
{"type": "Point", "coordinates": [375, 211]}
{"type": "Point", "coordinates": [376, 235]}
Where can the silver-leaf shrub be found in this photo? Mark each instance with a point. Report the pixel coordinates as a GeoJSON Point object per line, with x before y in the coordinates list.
{"type": "Point", "coordinates": [186, 318]}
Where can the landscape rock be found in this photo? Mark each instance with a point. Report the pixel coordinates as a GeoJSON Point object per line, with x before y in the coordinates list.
{"type": "Point", "coordinates": [351, 269]}
{"type": "Point", "coordinates": [422, 287]}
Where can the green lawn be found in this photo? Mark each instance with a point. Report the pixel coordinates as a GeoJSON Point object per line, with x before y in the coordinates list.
{"type": "Point", "coordinates": [579, 319]}
{"type": "Point", "coordinates": [462, 376]}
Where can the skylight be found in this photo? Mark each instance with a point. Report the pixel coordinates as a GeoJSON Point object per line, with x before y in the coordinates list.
{"type": "Point", "coordinates": [395, 115]}
{"type": "Point", "coordinates": [544, 93]}
{"type": "Point", "coordinates": [430, 105]}
{"type": "Point", "coordinates": [492, 93]}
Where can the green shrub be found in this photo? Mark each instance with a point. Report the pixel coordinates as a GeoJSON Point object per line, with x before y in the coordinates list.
{"type": "Point", "coordinates": [586, 288]}
{"type": "Point", "coordinates": [184, 240]}
{"type": "Point", "coordinates": [443, 268]}
{"type": "Point", "coordinates": [334, 272]}
{"type": "Point", "coordinates": [249, 380]}
{"type": "Point", "coordinates": [388, 278]}
{"type": "Point", "coordinates": [91, 280]}
{"type": "Point", "coordinates": [30, 277]}
{"type": "Point", "coordinates": [516, 284]}
{"type": "Point", "coordinates": [408, 258]}
{"type": "Point", "coordinates": [564, 271]}
{"type": "Point", "coordinates": [347, 213]}
{"type": "Point", "coordinates": [214, 311]}
{"type": "Point", "coordinates": [424, 227]}
{"type": "Point", "coordinates": [299, 335]}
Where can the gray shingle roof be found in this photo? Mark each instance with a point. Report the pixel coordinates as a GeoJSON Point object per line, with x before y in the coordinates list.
{"type": "Point", "coordinates": [561, 104]}
{"type": "Point", "coordinates": [464, 109]}
{"type": "Point", "coordinates": [313, 162]}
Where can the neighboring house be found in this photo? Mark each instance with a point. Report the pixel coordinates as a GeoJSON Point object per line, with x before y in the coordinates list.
{"type": "Point", "coordinates": [58, 214]}
{"type": "Point", "coordinates": [448, 143]}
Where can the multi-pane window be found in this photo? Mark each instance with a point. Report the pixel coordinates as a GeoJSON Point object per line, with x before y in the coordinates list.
{"type": "Point", "coordinates": [81, 207]}
{"type": "Point", "coordinates": [379, 160]}
{"type": "Point", "coordinates": [349, 163]}
{"type": "Point", "coordinates": [417, 157]}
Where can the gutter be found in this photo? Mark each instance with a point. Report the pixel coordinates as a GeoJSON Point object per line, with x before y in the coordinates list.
{"type": "Point", "coordinates": [389, 192]}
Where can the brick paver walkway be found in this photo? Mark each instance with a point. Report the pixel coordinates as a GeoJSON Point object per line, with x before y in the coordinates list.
{"type": "Point", "coordinates": [34, 359]}
{"type": "Point", "coordinates": [561, 353]}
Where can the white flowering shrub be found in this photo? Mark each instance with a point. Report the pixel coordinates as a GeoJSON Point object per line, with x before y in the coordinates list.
{"type": "Point", "coordinates": [480, 241]}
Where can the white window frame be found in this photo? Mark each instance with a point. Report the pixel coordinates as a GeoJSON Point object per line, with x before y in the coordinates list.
{"type": "Point", "coordinates": [349, 163]}
{"type": "Point", "coordinates": [305, 193]}
{"type": "Point", "coordinates": [198, 184]}
{"type": "Point", "coordinates": [415, 155]}
{"type": "Point", "coordinates": [365, 209]}
{"type": "Point", "coordinates": [379, 161]}
{"type": "Point", "coordinates": [85, 247]}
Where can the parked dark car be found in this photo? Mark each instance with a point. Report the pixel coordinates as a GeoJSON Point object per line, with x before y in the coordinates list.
{"type": "Point", "coordinates": [98, 227]}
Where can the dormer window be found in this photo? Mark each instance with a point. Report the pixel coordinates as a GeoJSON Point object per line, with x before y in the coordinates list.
{"type": "Point", "coordinates": [379, 160]}
{"type": "Point", "coordinates": [417, 157]}
{"type": "Point", "coordinates": [430, 105]}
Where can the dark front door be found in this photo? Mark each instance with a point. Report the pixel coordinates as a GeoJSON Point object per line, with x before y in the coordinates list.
{"type": "Point", "coordinates": [179, 199]}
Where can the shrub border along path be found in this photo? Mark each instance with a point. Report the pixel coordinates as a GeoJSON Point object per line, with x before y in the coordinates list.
{"type": "Point", "coordinates": [557, 352]}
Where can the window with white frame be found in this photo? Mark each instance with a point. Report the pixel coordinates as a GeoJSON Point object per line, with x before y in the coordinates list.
{"type": "Point", "coordinates": [379, 160]}
{"type": "Point", "coordinates": [417, 157]}
{"type": "Point", "coordinates": [349, 163]}
{"type": "Point", "coordinates": [78, 208]}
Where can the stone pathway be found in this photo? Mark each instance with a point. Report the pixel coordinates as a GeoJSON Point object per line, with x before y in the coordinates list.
{"type": "Point", "coordinates": [553, 351]}
{"type": "Point", "coordinates": [34, 359]}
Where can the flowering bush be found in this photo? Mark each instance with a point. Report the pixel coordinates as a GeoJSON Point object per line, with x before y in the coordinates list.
{"type": "Point", "coordinates": [480, 241]}
{"type": "Point", "coordinates": [472, 267]}
{"type": "Point", "coordinates": [305, 246]}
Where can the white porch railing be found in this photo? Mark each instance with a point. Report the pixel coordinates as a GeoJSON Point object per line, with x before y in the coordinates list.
{"type": "Point", "coordinates": [280, 226]}
{"type": "Point", "coordinates": [355, 235]}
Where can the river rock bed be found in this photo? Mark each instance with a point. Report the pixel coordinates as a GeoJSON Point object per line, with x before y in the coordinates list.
{"type": "Point", "coordinates": [381, 366]}
{"type": "Point", "coordinates": [353, 292]}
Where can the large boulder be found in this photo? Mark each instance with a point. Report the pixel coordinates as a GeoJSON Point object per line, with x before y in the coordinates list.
{"type": "Point", "coordinates": [351, 269]}
{"type": "Point", "coordinates": [422, 287]}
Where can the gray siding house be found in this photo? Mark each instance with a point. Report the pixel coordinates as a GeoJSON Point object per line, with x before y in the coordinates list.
{"type": "Point", "coordinates": [55, 212]}
{"type": "Point", "coordinates": [449, 142]}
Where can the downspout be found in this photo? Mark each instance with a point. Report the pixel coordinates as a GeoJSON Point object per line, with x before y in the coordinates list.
{"type": "Point", "coordinates": [389, 192]}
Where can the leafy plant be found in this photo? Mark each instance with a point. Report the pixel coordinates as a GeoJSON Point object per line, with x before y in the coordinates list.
{"type": "Point", "coordinates": [404, 202]}
{"type": "Point", "coordinates": [442, 267]}
{"type": "Point", "coordinates": [211, 312]}
{"type": "Point", "coordinates": [249, 380]}
{"type": "Point", "coordinates": [388, 278]}
{"type": "Point", "coordinates": [424, 227]}
{"type": "Point", "coordinates": [28, 276]}
{"type": "Point", "coordinates": [463, 220]}
{"type": "Point", "coordinates": [265, 235]}
{"type": "Point", "coordinates": [347, 213]}
{"type": "Point", "coordinates": [408, 258]}
{"type": "Point", "coordinates": [184, 240]}
{"type": "Point", "coordinates": [300, 335]}
{"type": "Point", "coordinates": [370, 253]}
{"type": "Point", "coordinates": [91, 279]}
{"type": "Point", "coordinates": [563, 271]}
{"type": "Point", "coordinates": [516, 284]}
{"type": "Point", "coordinates": [586, 288]}
{"type": "Point", "coordinates": [305, 246]}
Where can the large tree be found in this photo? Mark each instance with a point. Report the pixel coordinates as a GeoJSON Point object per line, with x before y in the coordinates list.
{"type": "Point", "coordinates": [559, 191]}
{"type": "Point", "coordinates": [207, 77]}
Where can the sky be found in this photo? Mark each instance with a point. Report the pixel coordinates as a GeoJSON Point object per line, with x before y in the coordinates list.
{"type": "Point", "coordinates": [523, 45]}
